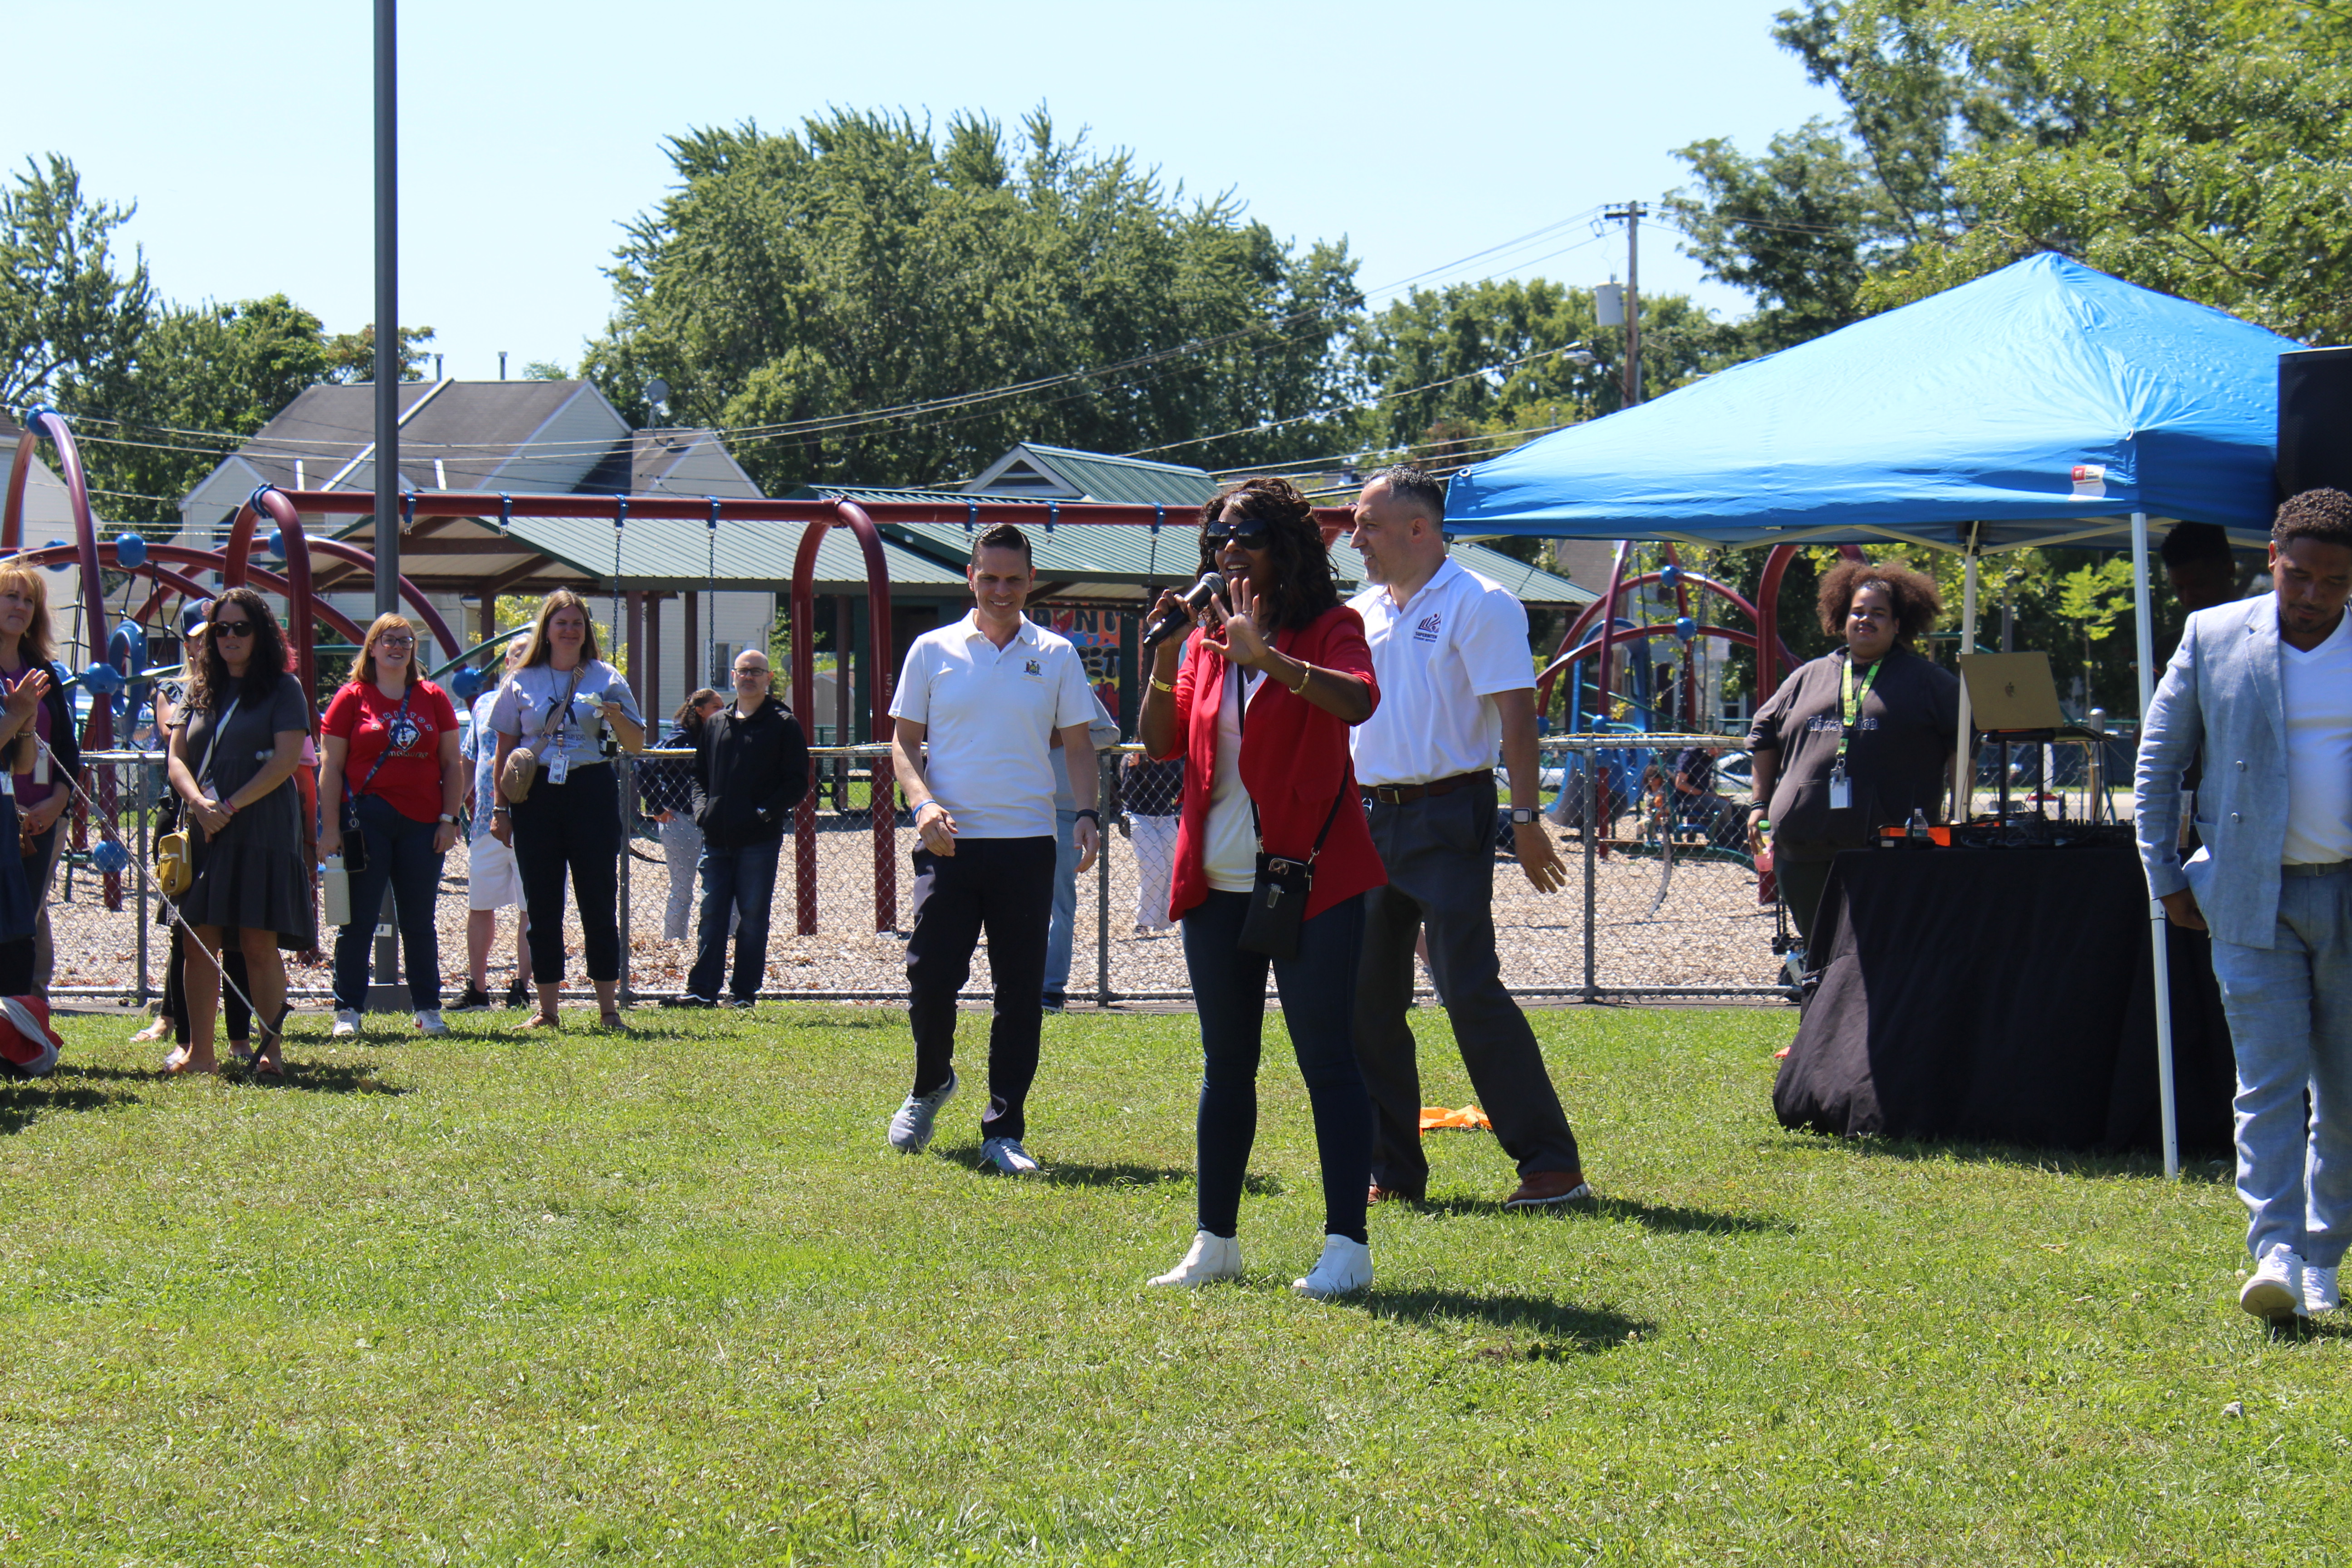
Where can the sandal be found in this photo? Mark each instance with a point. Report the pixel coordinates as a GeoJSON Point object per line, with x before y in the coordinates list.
{"type": "Point", "coordinates": [613, 1021]}
{"type": "Point", "coordinates": [537, 1021]}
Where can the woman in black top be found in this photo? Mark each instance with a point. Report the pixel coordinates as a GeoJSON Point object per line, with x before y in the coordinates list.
{"type": "Point", "coordinates": [233, 756]}
{"type": "Point", "coordinates": [1857, 739]}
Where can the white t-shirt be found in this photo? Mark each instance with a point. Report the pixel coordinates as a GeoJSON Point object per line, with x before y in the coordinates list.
{"type": "Point", "coordinates": [1229, 841]}
{"type": "Point", "coordinates": [1440, 660]}
{"type": "Point", "coordinates": [2318, 686]}
{"type": "Point", "coordinates": [530, 695]}
{"type": "Point", "coordinates": [987, 713]}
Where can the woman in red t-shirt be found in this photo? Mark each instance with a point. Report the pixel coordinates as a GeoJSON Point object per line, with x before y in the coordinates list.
{"type": "Point", "coordinates": [391, 772]}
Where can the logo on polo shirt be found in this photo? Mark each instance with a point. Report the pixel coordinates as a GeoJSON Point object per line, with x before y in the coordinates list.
{"type": "Point", "coordinates": [1427, 630]}
{"type": "Point", "coordinates": [1030, 667]}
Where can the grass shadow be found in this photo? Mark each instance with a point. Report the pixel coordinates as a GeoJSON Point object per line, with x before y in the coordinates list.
{"type": "Point", "coordinates": [1664, 1219]}
{"type": "Point", "coordinates": [1551, 1330]}
{"type": "Point", "coordinates": [2196, 1165]}
{"type": "Point", "coordinates": [317, 1078]}
{"type": "Point", "coordinates": [24, 1101]}
{"type": "Point", "coordinates": [1129, 1174]}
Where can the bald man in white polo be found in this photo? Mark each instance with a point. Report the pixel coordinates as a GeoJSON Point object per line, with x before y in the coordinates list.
{"type": "Point", "coordinates": [1457, 689]}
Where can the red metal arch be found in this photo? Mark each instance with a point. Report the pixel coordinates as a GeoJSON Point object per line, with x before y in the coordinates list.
{"type": "Point", "coordinates": [883, 794]}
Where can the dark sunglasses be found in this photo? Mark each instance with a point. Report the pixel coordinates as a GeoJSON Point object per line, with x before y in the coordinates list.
{"type": "Point", "coordinates": [231, 628]}
{"type": "Point", "coordinates": [1249, 533]}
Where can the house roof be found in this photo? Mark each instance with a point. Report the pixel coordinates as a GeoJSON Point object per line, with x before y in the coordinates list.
{"type": "Point", "coordinates": [1059, 473]}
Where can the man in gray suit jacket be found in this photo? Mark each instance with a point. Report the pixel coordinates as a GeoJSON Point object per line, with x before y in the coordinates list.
{"type": "Point", "coordinates": [2265, 686]}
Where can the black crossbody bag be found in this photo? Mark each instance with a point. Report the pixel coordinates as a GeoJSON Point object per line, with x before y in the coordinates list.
{"type": "Point", "coordinates": [1277, 908]}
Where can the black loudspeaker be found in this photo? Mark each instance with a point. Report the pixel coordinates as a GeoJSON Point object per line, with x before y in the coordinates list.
{"type": "Point", "coordinates": [2315, 421]}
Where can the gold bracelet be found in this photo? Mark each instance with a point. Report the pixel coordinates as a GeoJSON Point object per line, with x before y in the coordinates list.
{"type": "Point", "coordinates": [1159, 685]}
{"type": "Point", "coordinates": [1306, 674]}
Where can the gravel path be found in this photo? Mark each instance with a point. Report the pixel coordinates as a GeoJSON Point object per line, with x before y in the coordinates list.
{"type": "Point", "coordinates": [1709, 931]}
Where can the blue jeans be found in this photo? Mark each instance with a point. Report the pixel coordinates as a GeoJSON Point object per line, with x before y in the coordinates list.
{"type": "Point", "coordinates": [742, 883]}
{"type": "Point", "coordinates": [1318, 996]}
{"type": "Point", "coordinates": [400, 854]}
{"type": "Point", "coordinates": [2290, 1011]}
{"type": "Point", "coordinates": [1060, 929]}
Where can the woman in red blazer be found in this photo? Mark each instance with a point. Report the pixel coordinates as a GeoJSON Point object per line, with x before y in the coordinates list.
{"type": "Point", "coordinates": [1259, 707]}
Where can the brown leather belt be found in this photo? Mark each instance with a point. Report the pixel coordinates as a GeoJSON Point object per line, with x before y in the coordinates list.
{"type": "Point", "coordinates": [1405, 794]}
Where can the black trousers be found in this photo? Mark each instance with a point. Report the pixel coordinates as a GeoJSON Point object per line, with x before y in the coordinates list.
{"type": "Point", "coordinates": [572, 826]}
{"type": "Point", "coordinates": [1003, 887]}
{"type": "Point", "coordinates": [1441, 864]}
{"type": "Point", "coordinates": [1803, 883]}
{"type": "Point", "coordinates": [233, 996]}
{"type": "Point", "coordinates": [1229, 985]}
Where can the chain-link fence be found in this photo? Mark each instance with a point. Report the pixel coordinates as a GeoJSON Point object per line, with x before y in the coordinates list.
{"type": "Point", "coordinates": [1662, 900]}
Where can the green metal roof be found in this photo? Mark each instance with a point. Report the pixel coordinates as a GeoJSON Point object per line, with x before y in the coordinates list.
{"type": "Point", "coordinates": [675, 554]}
{"type": "Point", "coordinates": [1112, 557]}
{"type": "Point", "coordinates": [1098, 476]}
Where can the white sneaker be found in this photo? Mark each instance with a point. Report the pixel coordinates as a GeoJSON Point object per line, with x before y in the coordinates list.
{"type": "Point", "coordinates": [1006, 1157]}
{"type": "Point", "coordinates": [1345, 1267]}
{"type": "Point", "coordinates": [910, 1129]}
{"type": "Point", "coordinates": [428, 1022]}
{"type": "Point", "coordinates": [346, 1022]}
{"type": "Point", "coordinates": [2275, 1290]}
{"type": "Point", "coordinates": [2319, 1292]}
{"type": "Point", "coordinates": [1212, 1257]}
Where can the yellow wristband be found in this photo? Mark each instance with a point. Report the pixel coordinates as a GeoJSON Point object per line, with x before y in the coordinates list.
{"type": "Point", "coordinates": [1306, 674]}
{"type": "Point", "coordinates": [1159, 685]}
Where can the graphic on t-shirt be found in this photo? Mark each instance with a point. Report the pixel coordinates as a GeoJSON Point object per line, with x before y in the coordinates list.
{"type": "Point", "coordinates": [1427, 630]}
{"type": "Point", "coordinates": [401, 733]}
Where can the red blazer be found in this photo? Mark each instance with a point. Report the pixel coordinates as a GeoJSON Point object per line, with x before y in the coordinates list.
{"type": "Point", "coordinates": [1294, 757]}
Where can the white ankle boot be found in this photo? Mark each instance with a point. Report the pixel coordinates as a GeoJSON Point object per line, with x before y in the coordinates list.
{"type": "Point", "coordinates": [1346, 1266]}
{"type": "Point", "coordinates": [1212, 1257]}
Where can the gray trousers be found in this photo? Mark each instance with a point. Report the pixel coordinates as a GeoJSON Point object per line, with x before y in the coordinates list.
{"type": "Point", "coordinates": [1440, 856]}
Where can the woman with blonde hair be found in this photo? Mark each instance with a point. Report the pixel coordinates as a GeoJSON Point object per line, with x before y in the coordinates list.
{"type": "Point", "coordinates": [559, 706]}
{"type": "Point", "coordinates": [47, 754]}
{"type": "Point", "coordinates": [233, 756]}
{"type": "Point", "coordinates": [388, 791]}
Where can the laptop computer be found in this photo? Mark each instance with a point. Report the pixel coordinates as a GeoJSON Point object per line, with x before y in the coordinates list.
{"type": "Point", "coordinates": [2010, 691]}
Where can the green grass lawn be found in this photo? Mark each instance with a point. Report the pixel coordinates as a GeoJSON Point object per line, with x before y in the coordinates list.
{"type": "Point", "coordinates": [492, 1299]}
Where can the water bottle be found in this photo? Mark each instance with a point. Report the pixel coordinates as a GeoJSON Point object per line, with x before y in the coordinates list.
{"type": "Point", "coordinates": [335, 889]}
{"type": "Point", "coordinates": [1920, 837]}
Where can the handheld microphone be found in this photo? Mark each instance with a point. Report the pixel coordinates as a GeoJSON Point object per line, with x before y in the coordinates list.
{"type": "Point", "coordinates": [1167, 626]}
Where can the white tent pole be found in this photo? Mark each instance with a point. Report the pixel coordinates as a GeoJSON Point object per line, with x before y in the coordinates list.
{"type": "Point", "coordinates": [2145, 626]}
{"type": "Point", "coordinates": [1964, 762]}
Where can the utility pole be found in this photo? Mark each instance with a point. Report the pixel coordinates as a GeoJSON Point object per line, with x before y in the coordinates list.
{"type": "Point", "coordinates": [387, 312]}
{"type": "Point", "coordinates": [1632, 214]}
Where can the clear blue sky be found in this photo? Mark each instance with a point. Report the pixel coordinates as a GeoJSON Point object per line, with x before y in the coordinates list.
{"type": "Point", "coordinates": [531, 132]}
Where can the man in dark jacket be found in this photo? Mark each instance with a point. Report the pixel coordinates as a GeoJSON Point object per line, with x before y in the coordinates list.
{"type": "Point", "coordinates": [751, 768]}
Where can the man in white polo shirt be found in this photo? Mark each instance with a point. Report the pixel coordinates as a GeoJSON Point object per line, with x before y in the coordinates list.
{"type": "Point", "coordinates": [1450, 648]}
{"type": "Point", "coordinates": [976, 708]}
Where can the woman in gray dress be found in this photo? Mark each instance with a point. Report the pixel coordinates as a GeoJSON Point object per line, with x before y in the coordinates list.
{"type": "Point", "coordinates": [234, 756]}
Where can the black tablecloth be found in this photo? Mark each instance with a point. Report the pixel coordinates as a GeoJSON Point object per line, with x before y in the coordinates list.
{"type": "Point", "coordinates": [2002, 994]}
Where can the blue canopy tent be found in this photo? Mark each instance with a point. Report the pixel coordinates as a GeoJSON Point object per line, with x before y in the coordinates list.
{"type": "Point", "coordinates": [2045, 404]}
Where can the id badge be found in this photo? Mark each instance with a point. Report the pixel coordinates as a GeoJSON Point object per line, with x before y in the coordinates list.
{"type": "Point", "coordinates": [40, 764]}
{"type": "Point", "coordinates": [559, 766]}
{"type": "Point", "coordinates": [8, 782]}
{"type": "Point", "coordinates": [1841, 791]}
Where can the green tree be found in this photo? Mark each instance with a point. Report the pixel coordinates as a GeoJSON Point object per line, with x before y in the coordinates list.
{"type": "Point", "coordinates": [2202, 147]}
{"type": "Point", "coordinates": [1431, 359]}
{"type": "Point", "coordinates": [889, 307]}
{"type": "Point", "coordinates": [64, 310]}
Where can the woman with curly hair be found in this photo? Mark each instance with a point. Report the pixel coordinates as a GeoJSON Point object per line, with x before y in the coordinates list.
{"type": "Point", "coordinates": [1258, 703]}
{"type": "Point", "coordinates": [233, 760]}
{"type": "Point", "coordinates": [1856, 738]}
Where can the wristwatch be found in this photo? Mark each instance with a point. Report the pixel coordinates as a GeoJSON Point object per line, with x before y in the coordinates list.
{"type": "Point", "coordinates": [449, 819]}
{"type": "Point", "coordinates": [1090, 811]}
{"type": "Point", "coordinates": [1523, 815]}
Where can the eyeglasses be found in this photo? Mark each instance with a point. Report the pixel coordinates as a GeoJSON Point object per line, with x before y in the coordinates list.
{"type": "Point", "coordinates": [1249, 533]}
{"type": "Point", "coordinates": [395, 642]}
{"type": "Point", "coordinates": [752, 674]}
{"type": "Point", "coordinates": [231, 628]}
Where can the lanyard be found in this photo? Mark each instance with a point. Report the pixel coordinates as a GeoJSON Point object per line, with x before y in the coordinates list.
{"type": "Point", "coordinates": [1850, 702]}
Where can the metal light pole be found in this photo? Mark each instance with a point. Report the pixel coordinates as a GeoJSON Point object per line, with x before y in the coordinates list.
{"type": "Point", "coordinates": [387, 309]}
{"type": "Point", "coordinates": [387, 994]}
